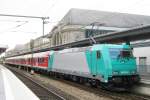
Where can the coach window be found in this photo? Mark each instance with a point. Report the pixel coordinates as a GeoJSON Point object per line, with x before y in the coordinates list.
{"type": "Point", "coordinates": [98, 54]}
{"type": "Point", "coordinates": [33, 60]}
{"type": "Point", "coordinates": [38, 60]}
{"type": "Point", "coordinates": [28, 60]}
{"type": "Point", "coordinates": [42, 59]}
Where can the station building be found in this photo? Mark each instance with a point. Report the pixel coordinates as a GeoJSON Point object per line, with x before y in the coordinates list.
{"type": "Point", "coordinates": [78, 24]}
{"type": "Point", "coordinates": [142, 55]}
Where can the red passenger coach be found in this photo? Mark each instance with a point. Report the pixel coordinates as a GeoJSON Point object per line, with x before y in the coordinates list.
{"type": "Point", "coordinates": [40, 60]}
{"type": "Point", "coordinates": [37, 60]}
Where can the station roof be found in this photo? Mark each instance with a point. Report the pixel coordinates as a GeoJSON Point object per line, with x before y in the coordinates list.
{"type": "Point", "coordinates": [130, 35]}
{"type": "Point", "coordinates": [107, 19]}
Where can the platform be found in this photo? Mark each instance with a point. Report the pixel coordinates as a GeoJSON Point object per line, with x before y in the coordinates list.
{"type": "Point", "coordinates": [145, 79]}
{"type": "Point", "coordinates": [11, 88]}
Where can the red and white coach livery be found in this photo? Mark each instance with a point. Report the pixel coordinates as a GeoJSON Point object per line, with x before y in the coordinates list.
{"type": "Point", "coordinates": [39, 60]}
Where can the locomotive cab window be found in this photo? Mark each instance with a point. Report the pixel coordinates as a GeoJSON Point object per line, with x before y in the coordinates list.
{"type": "Point", "coordinates": [116, 53]}
{"type": "Point", "coordinates": [98, 54]}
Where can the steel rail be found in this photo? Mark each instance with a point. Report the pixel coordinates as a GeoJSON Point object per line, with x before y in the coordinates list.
{"type": "Point", "coordinates": [35, 82]}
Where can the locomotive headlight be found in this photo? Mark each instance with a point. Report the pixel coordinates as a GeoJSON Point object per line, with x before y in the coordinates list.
{"type": "Point", "coordinates": [133, 72]}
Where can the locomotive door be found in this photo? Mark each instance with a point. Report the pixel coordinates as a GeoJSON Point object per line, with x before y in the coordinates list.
{"type": "Point", "coordinates": [96, 60]}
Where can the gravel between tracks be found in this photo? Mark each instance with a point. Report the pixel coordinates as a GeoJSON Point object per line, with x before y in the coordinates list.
{"type": "Point", "coordinates": [71, 90]}
{"type": "Point", "coordinates": [82, 92]}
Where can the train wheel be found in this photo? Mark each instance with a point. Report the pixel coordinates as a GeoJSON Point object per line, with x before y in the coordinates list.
{"type": "Point", "coordinates": [93, 82]}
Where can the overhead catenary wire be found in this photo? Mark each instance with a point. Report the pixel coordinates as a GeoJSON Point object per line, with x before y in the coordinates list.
{"type": "Point", "coordinates": [13, 21]}
{"type": "Point", "coordinates": [9, 29]}
{"type": "Point", "coordinates": [51, 7]}
{"type": "Point", "coordinates": [25, 32]}
{"type": "Point", "coordinates": [23, 16]}
{"type": "Point", "coordinates": [8, 15]}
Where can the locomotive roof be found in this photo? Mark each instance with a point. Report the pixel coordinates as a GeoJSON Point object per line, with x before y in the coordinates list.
{"type": "Point", "coordinates": [98, 46]}
{"type": "Point", "coordinates": [94, 47]}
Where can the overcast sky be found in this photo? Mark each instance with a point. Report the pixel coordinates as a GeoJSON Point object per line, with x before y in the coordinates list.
{"type": "Point", "coordinates": [20, 30]}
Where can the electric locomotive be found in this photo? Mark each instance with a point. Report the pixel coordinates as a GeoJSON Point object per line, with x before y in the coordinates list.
{"type": "Point", "coordinates": [112, 65]}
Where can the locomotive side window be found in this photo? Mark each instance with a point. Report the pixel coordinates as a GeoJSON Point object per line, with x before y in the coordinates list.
{"type": "Point", "coordinates": [125, 53]}
{"type": "Point", "coordinates": [98, 54]}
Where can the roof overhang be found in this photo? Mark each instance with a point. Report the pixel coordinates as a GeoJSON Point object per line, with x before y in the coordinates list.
{"type": "Point", "coordinates": [138, 33]}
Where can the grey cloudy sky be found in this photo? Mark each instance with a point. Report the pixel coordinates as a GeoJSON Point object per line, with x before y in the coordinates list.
{"type": "Point", "coordinates": [20, 30]}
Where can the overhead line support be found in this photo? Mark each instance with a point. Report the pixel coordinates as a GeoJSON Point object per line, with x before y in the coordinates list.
{"type": "Point", "coordinates": [43, 19]}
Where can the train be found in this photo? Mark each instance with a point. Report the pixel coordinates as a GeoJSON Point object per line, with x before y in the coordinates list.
{"type": "Point", "coordinates": [107, 65]}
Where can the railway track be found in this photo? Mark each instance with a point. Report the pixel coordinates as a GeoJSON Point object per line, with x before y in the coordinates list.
{"type": "Point", "coordinates": [42, 92]}
{"type": "Point", "coordinates": [113, 95]}
{"type": "Point", "coordinates": [101, 92]}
